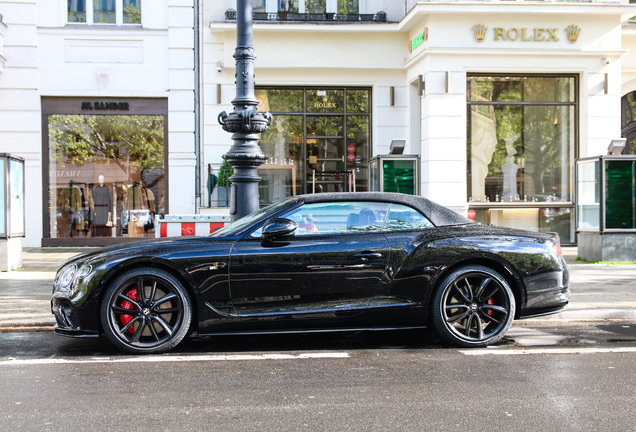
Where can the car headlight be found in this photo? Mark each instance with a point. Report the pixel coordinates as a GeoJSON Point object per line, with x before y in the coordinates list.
{"type": "Point", "coordinates": [67, 275]}
{"type": "Point", "coordinates": [84, 271]}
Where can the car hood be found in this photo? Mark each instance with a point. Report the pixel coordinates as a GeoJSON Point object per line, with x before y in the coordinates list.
{"type": "Point", "coordinates": [145, 247]}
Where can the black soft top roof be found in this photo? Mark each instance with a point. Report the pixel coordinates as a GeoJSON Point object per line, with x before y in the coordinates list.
{"type": "Point", "coordinates": [437, 214]}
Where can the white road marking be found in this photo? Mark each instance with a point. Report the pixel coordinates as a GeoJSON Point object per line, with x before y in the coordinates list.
{"type": "Point", "coordinates": [164, 359]}
{"type": "Point", "coordinates": [588, 350]}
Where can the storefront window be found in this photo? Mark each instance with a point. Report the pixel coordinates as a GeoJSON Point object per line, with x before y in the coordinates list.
{"type": "Point", "coordinates": [106, 175]}
{"type": "Point", "coordinates": [319, 141]}
{"type": "Point", "coordinates": [521, 141]}
{"type": "Point", "coordinates": [520, 150]}
{"type": "Point", "coordinates": [628, 122]}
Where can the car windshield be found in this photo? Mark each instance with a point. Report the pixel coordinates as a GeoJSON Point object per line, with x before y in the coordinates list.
{"type": "Point", "coordinates": [238, 225]}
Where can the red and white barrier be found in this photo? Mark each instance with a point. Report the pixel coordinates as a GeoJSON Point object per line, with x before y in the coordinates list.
{"type": "Point", "coordinates": [187, 225]}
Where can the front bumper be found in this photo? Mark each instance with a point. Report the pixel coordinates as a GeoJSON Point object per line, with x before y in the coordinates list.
{"type": "Point", "coordinates": [68, 319]}
{"type": "Point", "coordinates": [74, 333]}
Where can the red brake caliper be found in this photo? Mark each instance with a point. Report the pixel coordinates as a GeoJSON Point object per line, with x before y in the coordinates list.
{"type": "Point", "coordinates": [490, 302]}
{"type": "Point", "coordinates": [125, 319]}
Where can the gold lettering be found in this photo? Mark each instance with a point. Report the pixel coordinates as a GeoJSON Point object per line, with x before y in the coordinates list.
{"type": "Point", "coordinates": [510, 34]}
{"type": "Point", "coordinates": [523, 33]}
{"type": "Point", "coordinates": [500, 32]}
{"type": "Point", "coordinates": [552, 36]}
{"type": "Point", "coordinates": [538, 34]}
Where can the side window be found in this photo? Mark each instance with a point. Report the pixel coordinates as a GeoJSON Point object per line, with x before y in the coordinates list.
{"type": "Point", "coordinates": [402, 218]}
{"type": "Point", "coordinates": [337, 218]}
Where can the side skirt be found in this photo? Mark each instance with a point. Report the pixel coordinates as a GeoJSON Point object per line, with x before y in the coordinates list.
{"type": "Point", "coordinates": [325, 330]}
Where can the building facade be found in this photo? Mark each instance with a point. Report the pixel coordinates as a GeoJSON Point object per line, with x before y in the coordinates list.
{"type": "Point", "coordinates": [114, 104]}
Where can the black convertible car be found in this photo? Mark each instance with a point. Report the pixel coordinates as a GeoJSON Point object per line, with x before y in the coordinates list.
{"type": "Point", "coordinates": [346, 261]}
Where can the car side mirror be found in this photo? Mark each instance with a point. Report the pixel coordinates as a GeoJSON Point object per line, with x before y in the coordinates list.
{"type": "Point", "coordinates": [278, 229]}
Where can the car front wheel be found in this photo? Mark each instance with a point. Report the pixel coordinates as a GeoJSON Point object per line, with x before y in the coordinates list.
{"type": "Point", "coordinates": [473, 306]}
{"type": "Point", "coordinates": [146, 310]}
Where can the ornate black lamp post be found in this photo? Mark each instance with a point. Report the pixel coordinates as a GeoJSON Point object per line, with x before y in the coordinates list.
{"type": "Point", "coordinates": [245, 123]}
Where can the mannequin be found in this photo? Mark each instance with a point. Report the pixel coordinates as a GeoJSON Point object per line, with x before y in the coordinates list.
{"type": "Point", "coordinates": [101, 198]}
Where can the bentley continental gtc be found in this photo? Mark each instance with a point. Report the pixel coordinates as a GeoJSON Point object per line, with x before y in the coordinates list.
{"type": "Point", "coordinates": [320, 262]}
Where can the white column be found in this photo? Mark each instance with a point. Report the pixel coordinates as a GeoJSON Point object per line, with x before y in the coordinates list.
{"type": "Point", "coordinates": [181, 158]}
{"type": "Point", "coordinates": [20, 118]}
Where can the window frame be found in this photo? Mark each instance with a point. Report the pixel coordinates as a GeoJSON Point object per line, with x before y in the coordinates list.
{"type": "Point", "coordinates": [119, 16]}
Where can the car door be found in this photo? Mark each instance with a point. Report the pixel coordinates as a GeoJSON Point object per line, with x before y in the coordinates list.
{"type": "Point", "coordinates": [329, 269]}
{"type": "Point", "coordinates": [400, 301]}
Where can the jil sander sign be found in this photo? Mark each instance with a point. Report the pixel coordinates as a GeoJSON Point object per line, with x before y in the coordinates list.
{"type": "Point", "coordinates": [121, 106]}
{"type": "Point", "coordinates": [525, 34]}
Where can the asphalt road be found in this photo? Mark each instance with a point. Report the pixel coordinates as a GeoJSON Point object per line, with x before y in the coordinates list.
{"type": "Point", "coordinates": [565, 377]}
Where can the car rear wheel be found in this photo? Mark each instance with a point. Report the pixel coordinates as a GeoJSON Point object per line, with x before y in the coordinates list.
{"type": "Point", "coordinates": [473, 306]}
{"type": "Point", "coordinates": [146, 310]}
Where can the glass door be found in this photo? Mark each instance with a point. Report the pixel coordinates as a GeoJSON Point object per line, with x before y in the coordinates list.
{"type": "Point", "coordinates": [325, 141]}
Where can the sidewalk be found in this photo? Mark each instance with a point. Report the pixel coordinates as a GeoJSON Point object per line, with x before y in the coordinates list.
{"type": "Point", "coordinates": [599, 292]}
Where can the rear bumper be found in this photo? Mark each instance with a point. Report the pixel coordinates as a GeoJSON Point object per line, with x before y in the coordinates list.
{"type": "Point", "coordinates": [546, 293]}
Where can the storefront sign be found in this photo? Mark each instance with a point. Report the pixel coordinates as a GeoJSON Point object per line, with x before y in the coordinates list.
{"type": "Point", "coordinates": [120, 106]}
{"type": "Point", "coordinates": [324, 105]}
{"type": "Point", "coordinates": [67, 173]}
{"type": "Point", "coordinates": [538, 34]}
{"type": "Point", "coordinates": [351, 157]}
{"type": "Point", "coordinates": [351, 148]}
{"type": "Point", "coordinates": [419, 40]}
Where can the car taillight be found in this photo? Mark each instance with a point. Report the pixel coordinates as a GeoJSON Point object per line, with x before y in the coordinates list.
{"type": "Point", "coordinates": [557, 249]}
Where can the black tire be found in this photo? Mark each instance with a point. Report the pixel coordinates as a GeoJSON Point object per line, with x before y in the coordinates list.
{"type": "Point", "coordinates": [153, 323]}
{"type": "Point", "coordinates": [473, 307]}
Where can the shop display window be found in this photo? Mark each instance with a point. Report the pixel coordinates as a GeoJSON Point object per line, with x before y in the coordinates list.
{"type": "Point", "coordinates": [521, 142]}
{"type": "Point", "coordinates": [319, 141]}
{"type": "Point", "coordinates": [628, 122]}
{"type": "Point", "coordinates": [106, 175]}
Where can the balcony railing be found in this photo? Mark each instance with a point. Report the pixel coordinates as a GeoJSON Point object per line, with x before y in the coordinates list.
{"type": "Point", "coordinates": [230, 15]}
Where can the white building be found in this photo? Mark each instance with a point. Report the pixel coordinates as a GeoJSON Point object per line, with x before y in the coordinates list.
{"type": "Point", "coordinates": [496, 98]}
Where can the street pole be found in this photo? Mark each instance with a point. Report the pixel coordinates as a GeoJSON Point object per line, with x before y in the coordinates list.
{"type": "Point", "coordinates": [245, 123]}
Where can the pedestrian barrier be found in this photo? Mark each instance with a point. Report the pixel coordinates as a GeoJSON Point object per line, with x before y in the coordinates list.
{"type": "Point", "coordinates": [189, 225]}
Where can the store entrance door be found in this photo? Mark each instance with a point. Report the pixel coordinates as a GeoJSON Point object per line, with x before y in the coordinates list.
{"type": "Point", "coordinates": [325, 166]}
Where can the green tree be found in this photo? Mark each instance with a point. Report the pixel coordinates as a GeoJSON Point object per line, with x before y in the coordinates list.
{"type": "Point", "coordinates": [225, 173]}
{"type": "Point", "coordinates": [128, 140]}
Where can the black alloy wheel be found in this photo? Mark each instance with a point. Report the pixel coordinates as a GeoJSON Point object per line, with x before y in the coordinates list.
{"type": "Point", "coordinates": [473, 307]}
{"type": "Point", "coordinates": [146, 311]}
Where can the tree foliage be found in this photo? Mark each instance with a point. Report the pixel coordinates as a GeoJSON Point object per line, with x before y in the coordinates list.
{"type": "Point", "coordinates": [133, 140]}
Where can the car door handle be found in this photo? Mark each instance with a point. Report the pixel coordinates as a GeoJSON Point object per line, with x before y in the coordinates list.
{"type": "Point", "coordinates": [367, 256]}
